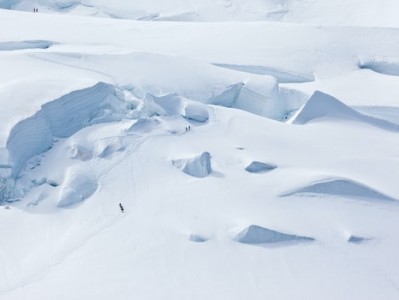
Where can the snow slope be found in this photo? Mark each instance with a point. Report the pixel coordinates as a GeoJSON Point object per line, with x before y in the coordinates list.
{"type": "Point", "coordinates": [327, 12]}
{"type": "Point", "coordinates": [253, 159]}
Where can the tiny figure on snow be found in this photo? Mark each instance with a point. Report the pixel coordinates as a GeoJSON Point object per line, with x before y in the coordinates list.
{"type": "Point", "coordinates": [121, 207]}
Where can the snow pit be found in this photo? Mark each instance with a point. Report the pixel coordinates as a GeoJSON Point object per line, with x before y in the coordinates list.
{"type": "Point", "coordinates": [259, 235]}
{"type": "Point", "coordinates": [259, 167]}
{"type": "Point", "coordinates": [198, 166]}
{"type": "Point", "coordinates": [339, 187]}
{"type": "Point", "coordinates": [76, 187]}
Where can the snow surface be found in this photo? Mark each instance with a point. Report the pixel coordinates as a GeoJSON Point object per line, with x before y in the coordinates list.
{"type": "Point", "coordinates": [161, 106]}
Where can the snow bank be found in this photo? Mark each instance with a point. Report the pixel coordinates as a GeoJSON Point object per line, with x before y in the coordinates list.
{"type": "Point", "coordinates": [259, 167]}
{"type": "Point", "coordinates": [11, 46]}
{"type": "Point", "coordinates": [198, 166]}
{"type": "Point", "coordinates": [324, 106]}
{"type": "Point", "coordinates": [340, 187]}
{"type": "Point", "coordinates": [61, 118]}
{"type": "Point", "coordinates": [259, 235]}
{"type": "Point", "coordinates": [76, 187]}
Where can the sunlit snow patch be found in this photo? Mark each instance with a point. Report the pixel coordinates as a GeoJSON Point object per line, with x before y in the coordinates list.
{"type": "Point", "coordinates": [197, 166]}
{"type": "Point", "coordinates": [259, 235]}
{"type": "Point", "coordinates": [339, 187]}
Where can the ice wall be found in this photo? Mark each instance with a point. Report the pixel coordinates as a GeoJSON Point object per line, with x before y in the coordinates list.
{"type": "Point", "coordinates": [60, 119]}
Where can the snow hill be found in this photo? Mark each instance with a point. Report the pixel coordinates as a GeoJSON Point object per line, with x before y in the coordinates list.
{"type": "Point", "coordinates": [252, 144]}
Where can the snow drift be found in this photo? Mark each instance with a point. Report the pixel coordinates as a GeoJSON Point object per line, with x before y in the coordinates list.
{"type": "Point", "coordinates": [259, 235]}
{"type": "Point", "coordinates": [340, 187]}
{"type": "Point", "coordinates": [322, 106]}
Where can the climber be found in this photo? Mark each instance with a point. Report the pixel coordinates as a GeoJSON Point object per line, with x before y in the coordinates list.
{"type": "Point", "coordinates": [121, 207]}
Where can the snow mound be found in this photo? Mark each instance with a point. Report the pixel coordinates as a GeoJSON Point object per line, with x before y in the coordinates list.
{"type": "Point", "coordinates": [108, 146]}
{"type": "Point", "coordinates": [76, 187]}
{"type": "Point", "coordinates": [61, 118]}
{"type": "Point", "coordinates": [196, 112]}
{"type": "Point", "coordinates": [198, 166]}
{"type": "Point", "coordinates": [198, 238]}
{"type": "Point", "coordinates": [381, 65]}
{"type": "Point", "coordinates": [323, 106]}
{"type": "Point", "coordinates": [259, 167]}
{"type": "Point", "coordinates": [21, 45]}
{"type": "Point", "coordinates": [259, 235]}
{"type": "Point", "coordinates": [340, 187]}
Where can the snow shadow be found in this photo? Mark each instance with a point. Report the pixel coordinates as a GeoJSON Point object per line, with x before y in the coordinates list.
{"type": "Point", "coordinates": [381, 65]}
{"type": "Point", "coordinates": [22, 45]}
{"type": "Point", "coordinates": [259, 167]}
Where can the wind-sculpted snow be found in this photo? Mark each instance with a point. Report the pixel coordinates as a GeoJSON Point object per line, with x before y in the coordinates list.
{"type": "Point", "coordinates": [60, 119]}
{"type": "Point", "coordinates": [383, 65]}
{"type": "Point", "coordinates": [339, 187]}
{"type": "Point", "coordinates": [322, 106]}
{"type": "Point", "coordinates": [198, 166]}
{"type": "Point", "coordinates": [76, 187]}
{"type": "Point", "coordinates": [259, 235]}
{"type": "Point", "coordinates": [259, 167]}
{"type": "Point", "coordinates": [21, 45]}
{"type": "Point", "coordinates": [282, 76]}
